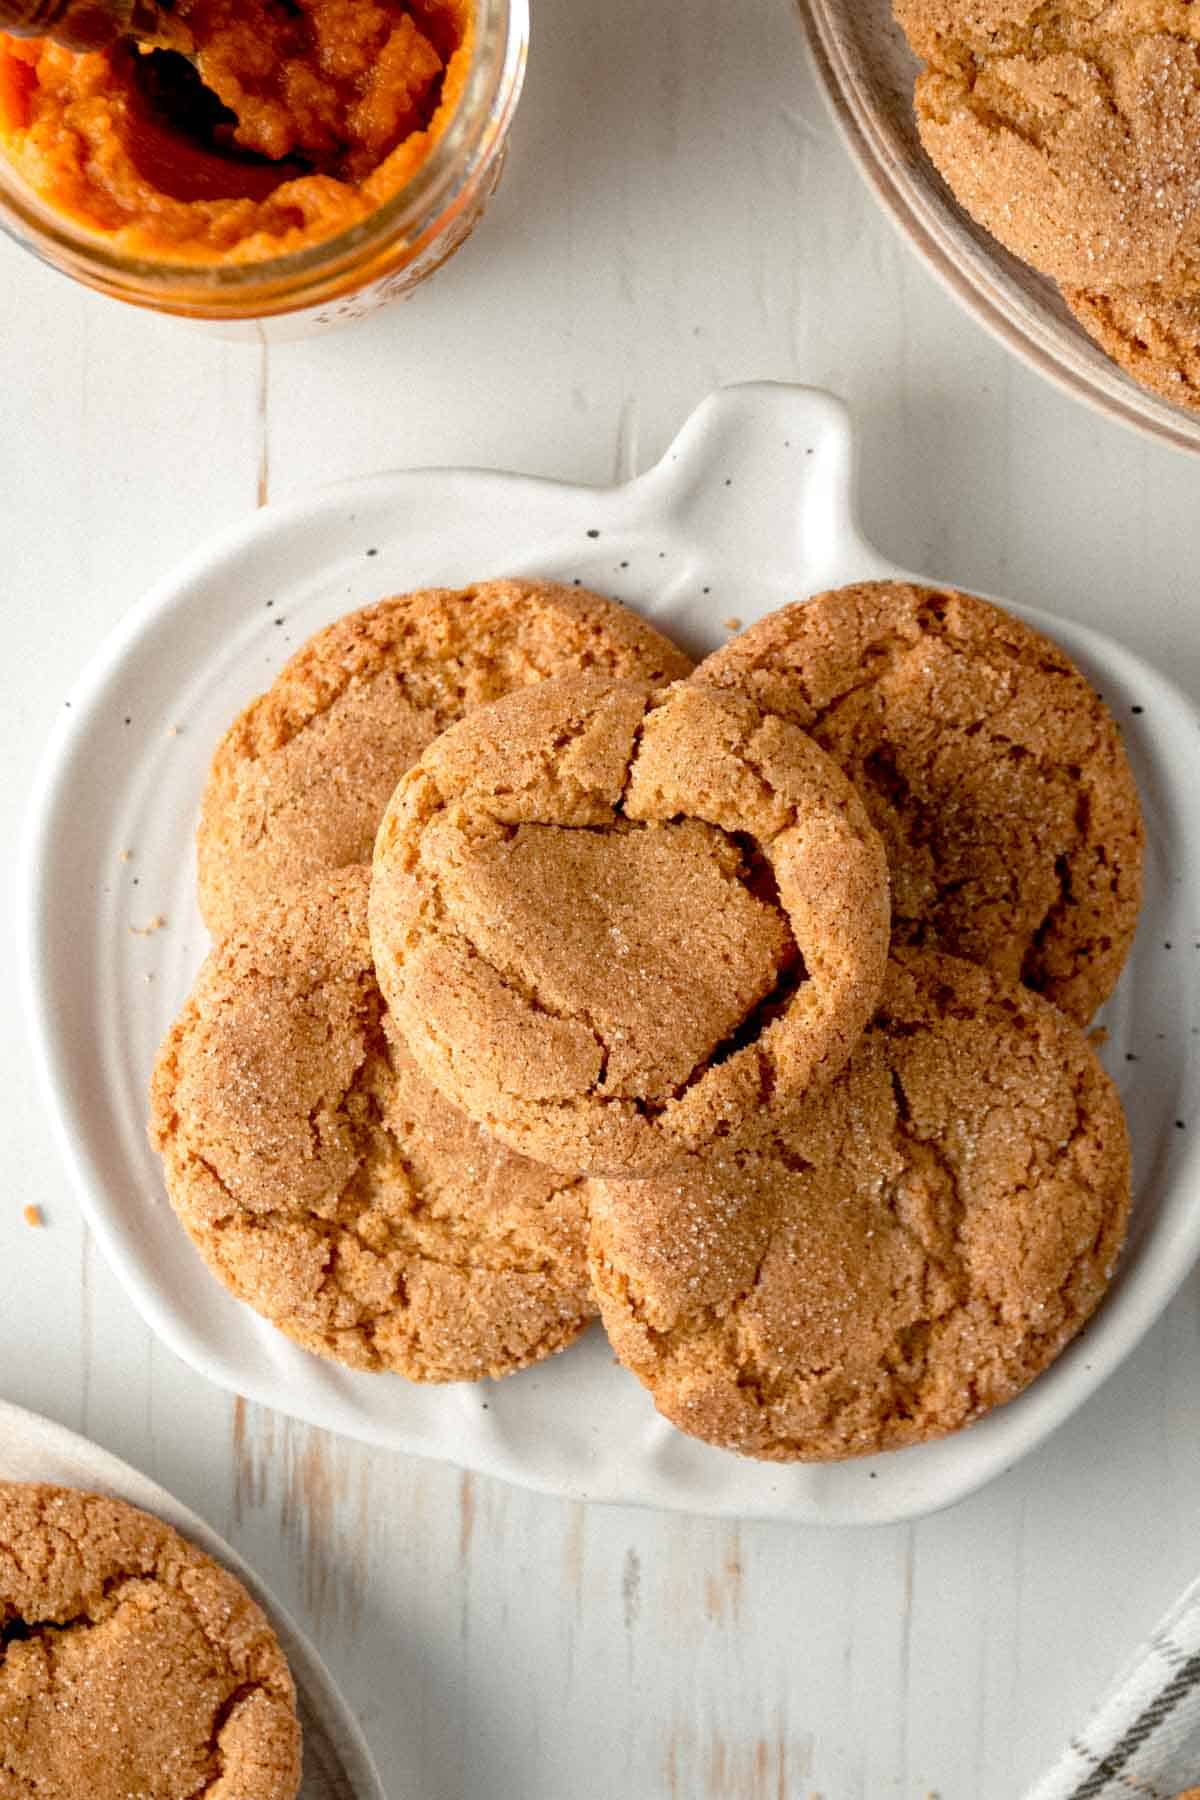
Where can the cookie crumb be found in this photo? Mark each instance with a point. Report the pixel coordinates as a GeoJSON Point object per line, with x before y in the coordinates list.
{"type": "Point", "coordinates": [1098, 1036]}
{"type": "Point", "coordinates": [32, 1215]}
{"type": "Point", "coordinates": [732, 623]}
{"type": "Point", "coordinates": [126, 855]}
{"type": "Point", "coordinates": [174, 730]}
{"type": "Point", "coordinates": [156, 924]}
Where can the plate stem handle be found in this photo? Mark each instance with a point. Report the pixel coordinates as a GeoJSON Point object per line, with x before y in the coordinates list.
{"type": "Point", "coordinates": [762, 474]}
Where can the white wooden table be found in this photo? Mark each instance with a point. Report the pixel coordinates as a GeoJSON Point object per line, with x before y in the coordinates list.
{"type": "Point", "coordinates": [677, 213]}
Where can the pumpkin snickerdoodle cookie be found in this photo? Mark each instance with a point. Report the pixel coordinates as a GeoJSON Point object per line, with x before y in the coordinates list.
{"type": "Point", "coordinates": [612, 921]}
{"type": "Point", "coordinates": [993, 771]}
{"type": "Point", "coordinates": [1070, 129]}
{"type": "Point", "coordinates": [131, 1663]}
{"type": "Point", "coordinates": [300, 780]}
{"type": "Point", "coordinates": [331, 1187]}
{"type": "Point", "coordinates": [909, 1249]}
{"type": "Point", "coordinates": [1152, 336]}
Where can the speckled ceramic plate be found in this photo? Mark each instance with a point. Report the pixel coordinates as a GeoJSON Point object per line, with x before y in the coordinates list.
{"type": "Point", "coordinates": [867, 71]}
{"type": "Point", "coordinates": [750, 507]}
{"type": "Point", "coordinates": [337, 1763]}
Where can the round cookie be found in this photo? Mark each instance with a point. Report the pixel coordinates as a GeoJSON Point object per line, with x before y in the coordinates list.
{"type": "Point", "coordinates": [132, 1664]}
{"type": "Point", "coordinates": [991, 768]}
{"type": "Point", "coordinates": [911, 1248]}
{"type": "Point", "coordinates": [1154, 337]}
{"type": "Point", "coordinates": [612, 922]}
{"type": "Point", "coordinates": [331, 1187]}
{"type": "Point", "coordinates": [1070, 129]}
{"type": "Point", "coordinates": [299, 782]}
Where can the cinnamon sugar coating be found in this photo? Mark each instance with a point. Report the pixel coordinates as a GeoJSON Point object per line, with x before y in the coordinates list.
{"type": "Point", "coordinates": [130, 1663]}
{"type": "Point", "coordinates": [329, 1186]}
{"type": "Point", "coordinates": [990, 767]}
{"type": "Point", "coordinates": [613, 922]}
{"type": "Point", "coordinates": [905, 1251]}
{"type": "Point", "coordinates": [1071, 130]}
{"type": "Point", "coordinates": [1155, 337]}
{"type": "Point", "coordinates": [299, 782]}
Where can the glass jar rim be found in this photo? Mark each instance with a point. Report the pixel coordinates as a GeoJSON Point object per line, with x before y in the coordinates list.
{"type": "Point", "coordinates": [490, 92]}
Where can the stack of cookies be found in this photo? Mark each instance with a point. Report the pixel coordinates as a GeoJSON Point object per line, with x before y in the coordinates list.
{"type": "Point", "coordinates": [745, 1005]}
{"type": "Point", "coordinates": [1071, 130]}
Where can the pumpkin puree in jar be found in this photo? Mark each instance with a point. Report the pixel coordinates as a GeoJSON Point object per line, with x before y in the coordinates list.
{"type": "Point", "coordinates": [323, 110]}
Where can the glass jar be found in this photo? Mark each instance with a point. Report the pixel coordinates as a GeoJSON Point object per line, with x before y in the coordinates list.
{"type": "Point", "coordinates": [381, 258]}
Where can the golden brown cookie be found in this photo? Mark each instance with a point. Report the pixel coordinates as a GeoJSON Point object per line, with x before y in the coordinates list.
{"type": "Point", "coordinates": [331, 1187]}
{"type": "Point", "coordinates": [992, 770]}
{"type": "Point", "coordinates": [914, 1245]}
{"type": "Point", "coordinates": [1154, 337]}
{"type": "Point", "coordinates": [132, 1665]}
{"type": "Point", "coordinates": [1070, 129]}
{"type": "Point", "coordinates": [611, 922]}
{"type": "Point", "coordinates": [300, 780]}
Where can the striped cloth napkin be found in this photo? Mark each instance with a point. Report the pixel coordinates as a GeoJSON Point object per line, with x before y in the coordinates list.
{"type": "Point", "coordinates": [1144, 1737]}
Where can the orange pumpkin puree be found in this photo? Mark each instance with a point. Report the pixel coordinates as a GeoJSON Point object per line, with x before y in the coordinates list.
{"type": "Point", "coordinates": [333, 105]}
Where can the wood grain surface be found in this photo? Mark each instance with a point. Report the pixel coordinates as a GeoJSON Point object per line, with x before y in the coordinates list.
{"type": "Point", "coordinates": [677, 212]}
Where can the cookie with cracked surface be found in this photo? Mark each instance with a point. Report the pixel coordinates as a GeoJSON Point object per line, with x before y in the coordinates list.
{"type": "Point", "coordinates": [912, 1248]}
{"type": "Point", "coordinates": [993, 771]}
{"type": "Point", "coordinates": [299, 782]}
{"type": "Point", "coordinates": [132, 1664]}
{"type": "Point", "coordinates": [1152, 336]}
{"type": "Point", "coordinates": [328, 1184]}
{"type": "Point", "coordinates": [612, 921]}
{"type": "Point", "coordinates": [1070, 129]}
